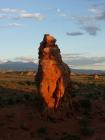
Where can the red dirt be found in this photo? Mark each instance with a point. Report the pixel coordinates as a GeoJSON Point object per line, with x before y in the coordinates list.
{"type": "Point", "coordinates": [22, 121]}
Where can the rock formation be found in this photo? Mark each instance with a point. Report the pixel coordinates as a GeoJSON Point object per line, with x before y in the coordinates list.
{"type": "Point", "coordinates": [53, 76]}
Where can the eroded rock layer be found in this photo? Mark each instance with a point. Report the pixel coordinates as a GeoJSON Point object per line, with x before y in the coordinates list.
{"type": "Point", "coordinates": [53, 76]}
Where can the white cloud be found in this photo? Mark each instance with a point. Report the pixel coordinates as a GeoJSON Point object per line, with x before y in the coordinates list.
{"type": "Point", "coordinates": [26, 59]}
{"type": "Point", "coordinates": [71, 56]}
{"type": "Point", "coordinates": [100, 64]}
{"type": "Point", "coordinates": [3, 60]}
{"type": "Point", "coordinates": [36, 16]}
{"type": "Point", "coordinates": [20, 14]}
{"type": "Point", "coordinates": [14, 25]}
{"type": "Point", "coordinates": [8, 10]}
{"type": "Point", "coordinates": [99, 12]}
{"type": "Point", "coordinates": [11, 25]}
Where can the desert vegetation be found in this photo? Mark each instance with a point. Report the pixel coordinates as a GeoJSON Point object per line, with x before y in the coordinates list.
{"type": "Point", "coordinates": [20, 118]}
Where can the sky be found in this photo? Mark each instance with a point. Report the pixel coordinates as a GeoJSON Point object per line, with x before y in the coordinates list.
{"type": "Point", "coordinates": [78, 26]}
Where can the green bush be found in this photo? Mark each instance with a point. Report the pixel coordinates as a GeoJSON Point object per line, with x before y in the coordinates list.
{"type": "Point", "coordinates": [84, 126]}
{"type": "Point", "coordinates": [85, 103]}
{"type": "Point", "coordinates": [70, 137]}
{"type": "Point", "coordinates": [11, 101]}
{"type": "Point", "coordinates": [42, 130]}
{"type": "Point", "coordinates": [84, 122]}
{"type": "Point", "coordinates": [28, 83]}
{"type": "Point", "coordinates": [87, 131]}
{"type": "Point", "coordinates": [47, 138]}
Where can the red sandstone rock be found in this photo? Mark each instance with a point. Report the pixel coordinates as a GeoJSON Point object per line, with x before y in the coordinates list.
{"type": "Point", "coordinates": [53, 76]}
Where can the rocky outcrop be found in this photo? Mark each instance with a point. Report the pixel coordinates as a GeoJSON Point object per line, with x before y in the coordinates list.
{"type": "Point", "coordinates": [53, 76]}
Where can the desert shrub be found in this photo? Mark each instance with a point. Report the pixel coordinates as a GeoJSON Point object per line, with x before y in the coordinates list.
{"type": "Point", "coordinates": [84, 122]}
{"type": "Point", "coordinates": [85, 103]}
{"type": "Point", "coordinates": [20, 98]}
{"type": "Point", "coordinates": [39, 102]}
{"type": "Point", "coordinates": [84, 126]}
{"type": "Point", "coordinates": [87, 131]}
{"type": "Point", "coordinates": [47, 138]}
{"type": "Point", "coordinates": [29, 97]}
{"type": "Point", "coordinates": [32, 134]}
{"type": "Point", "coordinates": [24, 127]}
{"type": "Point", "coordinates": [90, 78]}
{"type": "Point", "coordinates": [7, 101]}
{"type": "Point", "coordinates": [92, 96]}
{"type": "Point", "coordinates": [21, 83]}
{"type": "Point", "coordinates": [70, 137]}
{"type": "Point", "coordinates": [0, 100]}
{"type": "Point", "coordinates": [76, 87]}
{"type": "Point", "coordinates": [104, 97]}
{"type": "Point", "coordinates": [42, 130]}
{"type": "Point", "coordinates": [30, 83]}
{"type": "Point", "coordinates": [11, 101]}
{"type": "Point", "coordinates": [27, 83]}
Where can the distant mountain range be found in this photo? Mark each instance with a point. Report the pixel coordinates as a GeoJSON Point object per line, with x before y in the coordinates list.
{"type": "Point", "coordinates": [88, 71]}
{"type": "Point", "coordinates": [18, 66]}
{"type": "Point", "coordinates": [30, 66]}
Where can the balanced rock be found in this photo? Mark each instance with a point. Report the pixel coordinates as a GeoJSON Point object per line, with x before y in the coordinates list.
{"type": "Point", "coordinates": [53, 76]}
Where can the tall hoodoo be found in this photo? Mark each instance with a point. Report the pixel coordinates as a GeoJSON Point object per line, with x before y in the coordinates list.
{"type": "Point", "coordinates": [53, 76]}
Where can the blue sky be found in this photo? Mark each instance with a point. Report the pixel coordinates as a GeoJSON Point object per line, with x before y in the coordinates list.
{"type": "Point", "coordinates": [78, 26]}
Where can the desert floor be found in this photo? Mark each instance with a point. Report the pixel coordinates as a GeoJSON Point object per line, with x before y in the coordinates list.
{"type": "Point", "coordinates": [21, 120]}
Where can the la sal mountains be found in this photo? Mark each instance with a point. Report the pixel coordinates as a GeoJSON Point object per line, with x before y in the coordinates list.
{"type": "Point", "coordinates": [17, 66]}
{"type": "Point", "coordinates": [31, 66]}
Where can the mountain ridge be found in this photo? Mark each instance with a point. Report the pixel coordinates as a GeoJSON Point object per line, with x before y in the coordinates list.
{"type": "Point", "coordinates": [31, 66]}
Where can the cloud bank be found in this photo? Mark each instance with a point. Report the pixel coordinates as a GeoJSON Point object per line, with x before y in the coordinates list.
{"type": "Point", "coordinates": [74, 33]}
{"type": "Point", "coordinates": [81, 61]}
{"type": "Point", "coordinates": [19, 14]}
{"type": "Point", "coordinates": [74, 60]}
{"type": "Point", "coordinates": [91, 22]}
{"type": "Point", "coordinates": [26, 59]}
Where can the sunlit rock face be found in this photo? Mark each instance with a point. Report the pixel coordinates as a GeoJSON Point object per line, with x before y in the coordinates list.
{"type": "Point", "coordinates": [53, 76]}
